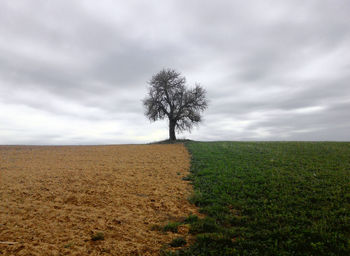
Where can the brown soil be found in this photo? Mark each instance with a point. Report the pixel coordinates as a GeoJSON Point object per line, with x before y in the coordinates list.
{"type": "Point", "coordinates": [53, 199]}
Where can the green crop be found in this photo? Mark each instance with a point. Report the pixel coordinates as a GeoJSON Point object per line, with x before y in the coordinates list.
{"type": "Point", "coordinates": [270, 198]}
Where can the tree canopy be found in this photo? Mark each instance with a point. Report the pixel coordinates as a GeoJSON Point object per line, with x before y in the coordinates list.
{"type": "Point", "coordinates": [169, 98]}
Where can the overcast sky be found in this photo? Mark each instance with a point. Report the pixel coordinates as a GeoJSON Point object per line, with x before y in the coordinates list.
{"type": "Point", "coordinates": [75, 72]}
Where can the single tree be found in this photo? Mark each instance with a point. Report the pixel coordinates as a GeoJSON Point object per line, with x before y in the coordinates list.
{"type": "Point", "coordinates": [169, 98]}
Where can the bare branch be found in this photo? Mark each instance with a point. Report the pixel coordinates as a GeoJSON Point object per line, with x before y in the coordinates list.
{"type": "Point", "coordinates": [168, 97]}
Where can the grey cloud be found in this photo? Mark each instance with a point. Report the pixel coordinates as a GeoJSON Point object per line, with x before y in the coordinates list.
{"type": "Point", "coordinates": [88, 63]}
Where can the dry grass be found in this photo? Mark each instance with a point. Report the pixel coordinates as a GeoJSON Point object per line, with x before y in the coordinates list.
{"type": "Point", "coordinates": [54, 199]}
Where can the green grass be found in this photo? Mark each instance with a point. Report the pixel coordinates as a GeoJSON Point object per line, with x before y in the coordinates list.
{"type": "Point", "coordinates": [270, 198]}
{"type": "Point", "coordinates": [169, 227]}
{"type": "Point", "coordinates": [177, 242]}
{"type": "Point", "coordinates": [172, 227]}
{"type": "Point", "coordinates": [69, 245]}
{"type": "Point", "coordinates": [98, 236]}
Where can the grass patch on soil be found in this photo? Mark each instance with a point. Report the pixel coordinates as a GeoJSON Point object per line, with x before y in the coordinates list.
{"type": "Point", "coordinates": [270, 198]}
{"type": "Point", "coordinates": [177, 242]}
{"type": "Point", "coordinates": [169, 227]}
{"type": "Point", "coordinates": [97, 236]}
{"type": "Point", "coordinates": [172, 227]}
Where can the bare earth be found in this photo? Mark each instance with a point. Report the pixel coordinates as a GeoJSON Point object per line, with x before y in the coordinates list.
{"type": "Point", "coordinates": [52, 199]}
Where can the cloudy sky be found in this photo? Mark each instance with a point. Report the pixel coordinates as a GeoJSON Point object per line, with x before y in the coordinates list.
{"type": "Point", "coordinates": [75, 72]}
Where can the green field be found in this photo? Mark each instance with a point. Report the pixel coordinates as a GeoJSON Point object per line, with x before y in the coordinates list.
{"type": "Point", "coordinates": [270, 198]}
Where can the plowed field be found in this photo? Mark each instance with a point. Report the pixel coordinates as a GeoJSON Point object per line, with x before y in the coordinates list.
{"type": "Point", "coordinates": [53, 199]}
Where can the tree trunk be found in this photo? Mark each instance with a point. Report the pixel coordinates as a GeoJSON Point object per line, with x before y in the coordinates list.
{"type": "Point", "coordinates": [172, 130]}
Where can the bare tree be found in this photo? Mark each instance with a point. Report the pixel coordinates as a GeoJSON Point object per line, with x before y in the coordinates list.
{"type": "Point", "coordinates": [169, 98]}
